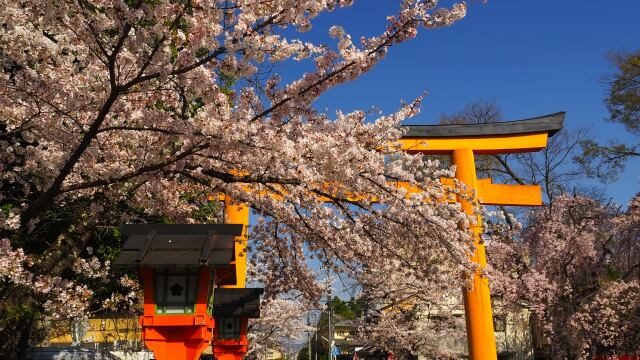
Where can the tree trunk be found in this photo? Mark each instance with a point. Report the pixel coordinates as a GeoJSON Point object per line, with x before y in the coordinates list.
{"type": "Point", "coordinates": [24, 327]}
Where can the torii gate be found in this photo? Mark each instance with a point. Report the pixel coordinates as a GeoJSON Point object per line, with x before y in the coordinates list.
{"type": "Point", "coordinates": [462, 142]}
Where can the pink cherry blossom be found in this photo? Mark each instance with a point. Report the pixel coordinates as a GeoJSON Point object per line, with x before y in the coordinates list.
{"type": "Point", "coordinates": [158, 105]}
{"type": "Point", "coordinates": [576, 269]}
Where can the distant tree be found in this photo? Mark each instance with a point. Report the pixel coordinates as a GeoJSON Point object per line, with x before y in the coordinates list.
{"type": "Point", "coordinates": [623, 101]}
{"type": "Point", "coordinates": [607, 161]}
{"type": "Point", "coordinates": [303, 354]}
{"type": "Point", "coordinates": [482, 111]}
{"type": "Point", "coordinates": [348, 310]}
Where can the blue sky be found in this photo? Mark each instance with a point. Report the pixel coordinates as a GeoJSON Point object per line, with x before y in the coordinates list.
{"type": "Point", "coordinates": [530, 57]}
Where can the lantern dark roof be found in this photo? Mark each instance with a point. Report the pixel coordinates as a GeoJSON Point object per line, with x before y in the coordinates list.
{"type": "Point", "coordinates": [551, 124]}
{"type": "Point", "coordinates": [237, 302]}
{"type": "Point", "coordinates": [177, 245]}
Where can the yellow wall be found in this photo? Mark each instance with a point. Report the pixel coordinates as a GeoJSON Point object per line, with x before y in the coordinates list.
{"type": "Point", "coordinates": [101, 330]}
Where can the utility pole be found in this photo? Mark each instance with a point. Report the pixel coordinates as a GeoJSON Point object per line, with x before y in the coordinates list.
{"type": "Point", "coordinates": [309, 335]}
{"type": "Point", "coordinates": [330, 337]}
{"type": "Point", "coordinates": [330, 313]}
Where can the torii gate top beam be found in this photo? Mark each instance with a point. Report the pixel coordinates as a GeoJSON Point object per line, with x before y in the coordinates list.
{"type": "Point", "coordinates": [493, 138]}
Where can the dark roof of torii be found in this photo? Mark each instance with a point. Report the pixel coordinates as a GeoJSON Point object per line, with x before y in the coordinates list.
{"type": "Point", "coordinates": [551, 123]}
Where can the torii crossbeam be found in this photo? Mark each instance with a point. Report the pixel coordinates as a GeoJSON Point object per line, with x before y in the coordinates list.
{"type": "Point", "coordinates": [462, 142]}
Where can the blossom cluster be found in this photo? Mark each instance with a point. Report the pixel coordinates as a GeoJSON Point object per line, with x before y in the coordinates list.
{"type": "Point", "coordinates": [282, 320]}
{"type": "Point", "coordinates": [63, 298]}
{"type": "Point", "coordinates": [126, 301]}
{"type": "Point", "coordinates": [92, 268]}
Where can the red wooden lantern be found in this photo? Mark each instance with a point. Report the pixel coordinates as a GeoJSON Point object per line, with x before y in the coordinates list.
{"type": "Point", "coordinates": [233, 308]}
{"type": "Point", "coordinates": [176, 264]}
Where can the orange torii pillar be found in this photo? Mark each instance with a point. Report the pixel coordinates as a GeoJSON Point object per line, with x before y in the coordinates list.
{"type": "Point", "coordinates": [462, 142]}
{"type": "Point", "coordinates": [234, 347]}
{"type": "Point", "coordinates": [238, 213]}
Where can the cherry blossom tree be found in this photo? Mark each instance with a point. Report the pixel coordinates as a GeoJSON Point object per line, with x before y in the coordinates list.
{"type": "Point", "coordinates": [138, 110]}
{"type": "Point", "coordinates": [577, 269]}
{"type": "Point", "coordinates": [409, 314]}
{"type": "Point", "coordinates": [282, 321]}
